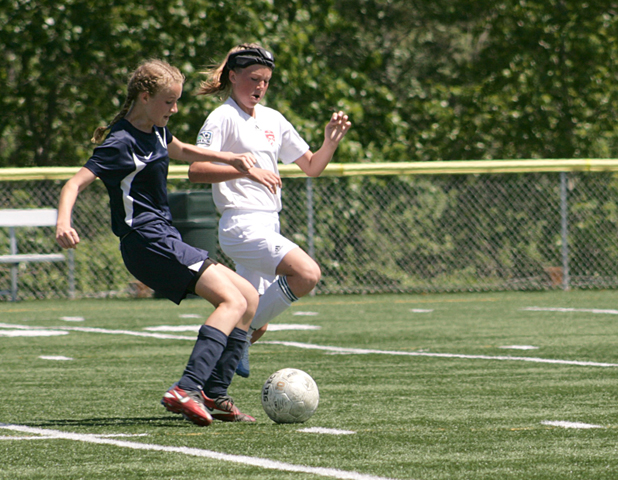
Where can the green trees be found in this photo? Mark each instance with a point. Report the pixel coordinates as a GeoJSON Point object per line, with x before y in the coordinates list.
{"type": "Point", "coordinates": [546, 80]}
{"type": "Point", "coordinates": [433, 80]}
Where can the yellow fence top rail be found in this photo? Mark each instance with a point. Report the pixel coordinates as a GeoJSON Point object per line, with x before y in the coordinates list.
{"type": "Point", "coordinates": [387, 168]}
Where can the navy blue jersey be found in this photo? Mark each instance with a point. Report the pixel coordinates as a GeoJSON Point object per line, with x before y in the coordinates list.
{"type": "Point", "coordinates": [133, 166]}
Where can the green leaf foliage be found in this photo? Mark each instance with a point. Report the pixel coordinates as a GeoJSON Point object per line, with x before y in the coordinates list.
{"type": "Point", "coordinates": [420, 80]}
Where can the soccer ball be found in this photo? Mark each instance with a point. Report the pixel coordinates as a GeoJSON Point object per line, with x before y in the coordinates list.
{"type": "Point", "coordinates": [290, 396]}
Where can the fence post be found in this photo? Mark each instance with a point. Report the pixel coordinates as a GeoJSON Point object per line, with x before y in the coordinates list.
{"type": "Point", "coordinates": [310, 228]}
{"type": "Point", "coordinates": [564, 217]}
{"type": "Point", "coordinates": [71, 256]}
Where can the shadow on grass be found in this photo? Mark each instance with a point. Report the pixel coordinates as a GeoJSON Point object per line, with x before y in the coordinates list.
{"type": "Point", "coordinates": [163, 421]}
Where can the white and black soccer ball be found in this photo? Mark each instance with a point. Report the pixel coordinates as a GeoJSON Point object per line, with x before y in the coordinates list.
{"type": "Point", "coordinates": [290, 396]}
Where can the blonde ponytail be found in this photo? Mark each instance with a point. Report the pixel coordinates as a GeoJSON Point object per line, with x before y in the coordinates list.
{"type": "Point", "coordinates": [99, 134]}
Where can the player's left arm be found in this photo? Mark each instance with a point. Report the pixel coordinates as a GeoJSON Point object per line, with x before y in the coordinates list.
{"type": "Point", "coordinates": [313, 164]}
{"type": "Point", "coordinates": [66, 235]}
{"type": "Point", "coordinates": [186, 152]}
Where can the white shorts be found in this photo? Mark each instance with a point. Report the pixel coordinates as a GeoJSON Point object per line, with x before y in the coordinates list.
{"type": "Point", "coordinates": [253, 241]}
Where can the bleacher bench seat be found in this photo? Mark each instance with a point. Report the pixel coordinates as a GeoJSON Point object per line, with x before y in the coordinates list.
{"type": "Point", "coordinates": [36, 217]}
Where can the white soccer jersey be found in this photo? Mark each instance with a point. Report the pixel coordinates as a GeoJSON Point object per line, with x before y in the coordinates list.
{"type": "Point", "coordinates": [268, 135]}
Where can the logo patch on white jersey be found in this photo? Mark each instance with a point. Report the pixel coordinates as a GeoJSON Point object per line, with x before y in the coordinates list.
{"type": "Point", "coordinates": [270, 136]}
{"type": "Point", "coordinates": [204, 138]}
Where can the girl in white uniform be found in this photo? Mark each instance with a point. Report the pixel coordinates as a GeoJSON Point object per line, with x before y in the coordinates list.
{"type": "Point", "coordinates": [250, 203]}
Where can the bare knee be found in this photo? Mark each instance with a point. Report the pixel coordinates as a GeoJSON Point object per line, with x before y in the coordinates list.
{"type": "Point", "coordinates": [304, 279]}
{"type": "Point", "coordinates": [235, 305]}
{"type": "Point", "coordinates": [313, 274]}
{"type": "Point", "coordinates": [301, 271]}
{"type": "Point", "coordinates": [252, 300]}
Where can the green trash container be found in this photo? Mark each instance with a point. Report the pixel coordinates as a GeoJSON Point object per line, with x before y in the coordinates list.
{"type": "Point", "coordinates": [195, 216]}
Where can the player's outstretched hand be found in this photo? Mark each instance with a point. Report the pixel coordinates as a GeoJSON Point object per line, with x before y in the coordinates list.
{"type": "Point", "coordinates": [242, 161]}
{"type": "Point", "coordinates": [337, 127]}
{"type": "Point", "coordinates": [67, 238]}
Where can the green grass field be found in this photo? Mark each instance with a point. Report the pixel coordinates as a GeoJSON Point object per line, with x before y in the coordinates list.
{"type": "Point", "coordinates": [414, 387]}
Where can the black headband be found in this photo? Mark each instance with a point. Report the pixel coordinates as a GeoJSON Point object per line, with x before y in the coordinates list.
{"type": "Point", "coordinates": [251, 56]}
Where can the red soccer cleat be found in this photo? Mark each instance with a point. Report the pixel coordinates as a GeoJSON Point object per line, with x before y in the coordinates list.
{"type": "Point", "coordinates": [189, 404]}
{"type": "Point", "coordinates": [223, 408]}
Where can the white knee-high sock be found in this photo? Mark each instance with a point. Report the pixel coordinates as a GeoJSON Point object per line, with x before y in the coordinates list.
{"type": "Point", "coordinates": [276, 299]}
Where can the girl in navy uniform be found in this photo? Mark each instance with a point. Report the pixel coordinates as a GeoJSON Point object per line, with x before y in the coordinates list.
{"type": "Point", "coordinates": [250, 203]}
{"type": "Point", "coordinates": [133, 163]}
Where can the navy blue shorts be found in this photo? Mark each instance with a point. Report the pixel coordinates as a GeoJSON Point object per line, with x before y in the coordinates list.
{"type": "Point", "coordinates": [156, 255]}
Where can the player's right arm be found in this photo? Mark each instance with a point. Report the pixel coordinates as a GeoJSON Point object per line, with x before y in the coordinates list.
{"type": "Point", "coordinates": [66, 235]}
{"type": "Point", "coordinates": [204, 172]}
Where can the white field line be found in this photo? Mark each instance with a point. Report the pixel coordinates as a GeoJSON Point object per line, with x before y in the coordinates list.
{"type": "Point", "coordinates": [273, 327]}
{"type": "Point", "coordinates": [335, 350]}
{"type": "Point", "coordinates": [519, 347]}
{"type": "Point", "coordinates": [52, 436]}
{"type": "Point", "coordinates": [361, 351]}
{"type": "Point", "coordinates": [102, 330]}
{"type": "Point", "coordinates": [561, 309]}
{"type": "Point", "coordinates": [13, 439]}
{"type": "Point", "coordinates": [174, 328]}
{"type": "Point", "coordinates": [18, 332]}
{"type": "Point", "coordinates": [280, 327]}
{"type": "Point", "coordinates": [571, 424]}
{"type": "Point", "coordinates": [73, 319]}
{"type": "Point", "coordinates": [326, 431]}
{"type": "Point", "coordinates": [196, 452]}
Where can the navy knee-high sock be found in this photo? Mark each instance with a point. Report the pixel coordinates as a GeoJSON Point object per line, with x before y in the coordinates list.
{"type": "Point", "coordinates": [225, 368]}
{"type": "Point", "coordinates": [208, 349]}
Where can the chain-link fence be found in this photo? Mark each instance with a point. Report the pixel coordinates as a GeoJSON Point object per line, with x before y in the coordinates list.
{"type": "Point", "coordinates": [379, 233]}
